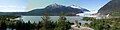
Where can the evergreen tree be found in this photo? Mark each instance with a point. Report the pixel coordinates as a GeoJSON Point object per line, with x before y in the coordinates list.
{"type": "Point", "coordinates": [3, 25]}
{"type": "Point", "coordinates": [39, 25]}
{"type": "Point", "coordinates": [20, 25]}
{"type": "Point", "coordinates": [61, 24]}
{"type": "Point", "coordinates": [46, 23]}
{"type": "Point", "coordinates": [28, 26]}
{"type": "Point", "coordinates": [34, 26]}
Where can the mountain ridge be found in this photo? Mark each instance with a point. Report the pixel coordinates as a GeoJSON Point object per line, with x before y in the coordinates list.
{"type": "Point", "coordinates": [53, 9]}
{"type": "Point", "coordinates": [111, 8]}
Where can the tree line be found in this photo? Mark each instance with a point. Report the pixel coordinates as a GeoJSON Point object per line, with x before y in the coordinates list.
{"type": "Point", "coordinates": [45, 24]}
{"type": "Point", "coordinates": [103, 24]}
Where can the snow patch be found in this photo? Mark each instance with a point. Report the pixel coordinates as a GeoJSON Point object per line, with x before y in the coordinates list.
{"type": "Point", "coordinates": [73, 6]}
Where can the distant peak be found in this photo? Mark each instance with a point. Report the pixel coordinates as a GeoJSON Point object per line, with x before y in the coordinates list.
{"type": "Point", "coordinates": [73, 5]}
{"type": "Point", "coordinates": [55, 4]}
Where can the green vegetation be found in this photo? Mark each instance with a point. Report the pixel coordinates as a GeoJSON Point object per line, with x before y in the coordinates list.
{"type": "Point", "coordinates": [115, 13]}
{"type": "Point", "coordinates": [104, 24]}
{"type": "Point", "coordinates": [60, 24]}
{"type": "Point", "coordinates": [45, 24]}
{"type": "Point", "coordinates": [111, 8]}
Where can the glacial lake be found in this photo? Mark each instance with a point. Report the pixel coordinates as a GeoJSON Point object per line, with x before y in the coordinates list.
{"type": "Point", "coordinates": [36, 19]}
{"type": "Point", "coordinates": [53, 18]}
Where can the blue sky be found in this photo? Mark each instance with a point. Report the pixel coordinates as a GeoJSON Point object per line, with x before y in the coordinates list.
{"type": "Point", "coordinates": [27, 5]}
{"type": "Point", "coordinates": [13, 5]}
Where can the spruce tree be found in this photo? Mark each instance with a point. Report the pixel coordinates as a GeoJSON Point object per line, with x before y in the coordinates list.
{"type": "Point", "coordinates": [61, 24]}
{"type": "Point", "coordinates": [45, 22]}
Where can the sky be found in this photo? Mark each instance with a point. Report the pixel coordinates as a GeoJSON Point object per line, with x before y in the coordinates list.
{"type": "Point", "coordinates": [13, 5]}
{"type": "Point", "coordinates": [27, 5]}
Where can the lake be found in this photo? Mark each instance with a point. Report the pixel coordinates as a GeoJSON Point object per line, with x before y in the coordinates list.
{"type": "Point", "coordinates": [52, 18]}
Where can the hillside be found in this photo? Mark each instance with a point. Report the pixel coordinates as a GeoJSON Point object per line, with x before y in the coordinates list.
{"type": "Point", "coordinates": [112, 8]}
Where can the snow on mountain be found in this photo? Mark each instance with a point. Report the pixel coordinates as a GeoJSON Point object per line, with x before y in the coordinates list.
{"type": "Point", "coordinates": [73, 6]}
{"type": "Point", "coordinates": [53, 9]}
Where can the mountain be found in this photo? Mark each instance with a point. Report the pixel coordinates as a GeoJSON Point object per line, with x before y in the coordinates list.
{"type": "Point", "coordinates": [112, 8]}
{"type": "Point", "coordinates": [53, 10]}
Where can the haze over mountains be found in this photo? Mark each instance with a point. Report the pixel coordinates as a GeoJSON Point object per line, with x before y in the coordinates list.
{"type": "Point", "coordinates": [53, 10]}
{"type": "Point", "coordinates": [112, 8]}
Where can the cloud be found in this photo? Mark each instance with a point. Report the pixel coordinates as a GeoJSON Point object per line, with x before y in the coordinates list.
{"type": "Point", "coordinates": [13, 5]}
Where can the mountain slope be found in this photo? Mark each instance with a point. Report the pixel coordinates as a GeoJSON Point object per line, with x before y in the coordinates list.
{"type": "Point", "coordinates": [53, 10]}
{"type": "Point", "coordinates": [112, 8]}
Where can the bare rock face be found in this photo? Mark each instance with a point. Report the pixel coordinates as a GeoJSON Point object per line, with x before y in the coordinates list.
{"type": "Point", "coordinates": [112, 8]}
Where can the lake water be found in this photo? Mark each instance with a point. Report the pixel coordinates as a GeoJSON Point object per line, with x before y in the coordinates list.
{"type": "Point", "coordinates": [52, 18]}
